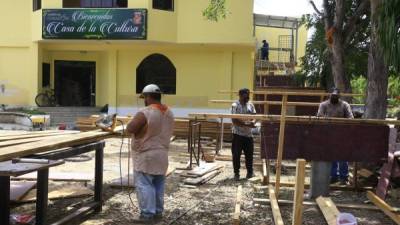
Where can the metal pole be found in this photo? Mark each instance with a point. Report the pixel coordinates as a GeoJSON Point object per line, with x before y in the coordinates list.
{"type": "Point", "coordinates": [5, 200]}
{"type": "Point", "coordinates": [222, 135]}
{"type": "Point", "coordinates": [98, 181]}
{"type": "Point", "coordinates": [42, 196]}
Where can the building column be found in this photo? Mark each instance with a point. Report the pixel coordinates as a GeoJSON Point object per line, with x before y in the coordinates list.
{"type": "Point", "coordinates": [112, 80]}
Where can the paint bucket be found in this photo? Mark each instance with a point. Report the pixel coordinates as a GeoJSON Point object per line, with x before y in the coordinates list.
{"type": "Point", "coordinates": [346, 219]}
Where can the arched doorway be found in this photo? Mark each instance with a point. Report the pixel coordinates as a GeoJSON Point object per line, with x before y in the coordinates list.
{"type": "Point", "coordinates": [156, 69]}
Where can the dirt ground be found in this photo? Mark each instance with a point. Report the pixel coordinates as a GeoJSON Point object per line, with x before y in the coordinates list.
{"type": "Point", "coordinates": [211, 203]}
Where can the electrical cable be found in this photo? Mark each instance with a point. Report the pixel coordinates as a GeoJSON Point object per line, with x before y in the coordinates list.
{"type": "Point", "coordinates": [120, 164]}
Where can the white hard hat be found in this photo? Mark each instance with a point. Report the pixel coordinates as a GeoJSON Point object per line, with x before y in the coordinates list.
{"type": "Point", "coordinates": [151, 88]}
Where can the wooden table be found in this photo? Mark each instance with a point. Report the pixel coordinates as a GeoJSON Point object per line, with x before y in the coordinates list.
{"type": "Point", "coordinates": [7, 169]}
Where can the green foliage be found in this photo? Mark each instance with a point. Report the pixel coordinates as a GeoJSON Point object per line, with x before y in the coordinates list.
{"type": "Point", "coordinates": [216, 10]}
{"type": "Point", "coordinates": [389, 32]}
{"type": "Point", "coordinates": [33, 112]}
{"type": "Point", "coordinates": [359, 85]}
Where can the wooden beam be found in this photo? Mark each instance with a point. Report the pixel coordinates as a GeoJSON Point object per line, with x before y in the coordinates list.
{"type": "Point", "coordinates": [301, 93]}
{"type": "Point", "coordinates": [309, 203]}
{"type": "Point", "coordinates": [312, 104]}
{"type": "Point", "coordinates": [387, 209]}
{"type": "Point", "coordinates": [281, 142]}
{"type": "Point", "coordinates": [329, 209]}
{"type": "Point", "coordinates": [276, 213]}
{"type": "Point", "coordinates": [27, 140]}
{"type": "Point", "coordinates": [236, 214]}
{"type": "Point", "coordinates": [299, 119]}
{"type": "Point", "coordinates": [35, 135]}
{"type": "Point", "coordinates": [299, 192]}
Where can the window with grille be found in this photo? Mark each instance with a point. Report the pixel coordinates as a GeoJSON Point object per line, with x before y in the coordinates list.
{"type": "Point", "coordinates": [163, 5]}
{"type": "Point", "coordinates": [37, 4]}
{"type": "Point", "coordinates": [156, 69]}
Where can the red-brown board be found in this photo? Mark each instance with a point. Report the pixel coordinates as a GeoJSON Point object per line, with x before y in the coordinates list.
{"type": "Point", "coordinates": [327, 142]}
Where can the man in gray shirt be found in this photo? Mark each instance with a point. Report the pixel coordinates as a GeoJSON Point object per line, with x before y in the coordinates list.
{"type": "Point", "coordinates": [335, 107]}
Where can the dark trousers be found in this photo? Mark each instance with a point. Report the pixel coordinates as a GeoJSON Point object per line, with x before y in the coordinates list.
{"type": "Point", "coordinates": [245, 144]}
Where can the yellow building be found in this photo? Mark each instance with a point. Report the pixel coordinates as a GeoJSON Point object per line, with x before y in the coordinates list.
{"type": "Point", "coordinates": [96, 52]}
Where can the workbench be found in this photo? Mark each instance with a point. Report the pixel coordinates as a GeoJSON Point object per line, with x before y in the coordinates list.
{"type": "Point", "coordinates": [55, 157]}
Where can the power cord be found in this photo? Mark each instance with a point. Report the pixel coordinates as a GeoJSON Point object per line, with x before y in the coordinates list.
{"type": "Point", "coordinates": [129, 160]}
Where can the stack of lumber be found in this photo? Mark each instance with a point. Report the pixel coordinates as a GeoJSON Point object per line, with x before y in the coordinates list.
{"type": "Point", "coordinates": [43, 141]}
{"type": "Point", "coordinates": [202, 174]}
{"type": "Point", "coordinates": [209, 128]}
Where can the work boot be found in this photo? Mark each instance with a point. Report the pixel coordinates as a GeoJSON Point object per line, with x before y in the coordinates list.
{"type": "Point", "coordinates": [249, 175]}
{"type": "Point", "coordinates": [344, 182]}
{"type": "Point", "coordinates": [143, 219]}
{"type": "Point", "coordinates": [334, 180]}
{"type": "Point", "coordinates": [158, 216]}
{"type": "Point", "coordinates": [236, 177]}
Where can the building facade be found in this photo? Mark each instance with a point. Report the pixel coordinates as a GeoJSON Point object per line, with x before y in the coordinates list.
{"type": "Point", "coordinates": [97, 52]}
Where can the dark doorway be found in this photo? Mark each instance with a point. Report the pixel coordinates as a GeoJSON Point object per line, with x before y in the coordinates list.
{"type": "Point", "coordinates": [156, 69]}
{"type": "Point", "coordinates": [75, 83]}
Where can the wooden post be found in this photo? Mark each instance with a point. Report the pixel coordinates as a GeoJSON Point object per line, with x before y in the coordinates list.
{"type": "Point", "coordinates": [280, 143]}
{"type": "Point", "coordinates": [265, 179]}
{"type": "Point", "coordinates": [222, 136]}
{"type": "Point", "coordinates": [236, 215]}
{"type": "Point", "coordinates": [329, 209]}
{"type": "Point", "coordinates": [387, 209]}
{"type": "Point", "coordinates": [276, 213]}
{"type": "Point", "coordinates": [299, 192]}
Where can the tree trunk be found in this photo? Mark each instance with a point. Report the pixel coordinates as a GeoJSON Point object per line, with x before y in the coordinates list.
{"type": "Point", "coordinates": [336, 51]}
{"type": "Point", "coordinates": [377, 83]}
{"type": "Point", "coordinates": [338, 71]}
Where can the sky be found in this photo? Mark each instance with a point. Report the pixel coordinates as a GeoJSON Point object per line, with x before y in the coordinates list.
{"type": "Point", "coordinates": [291, 8]}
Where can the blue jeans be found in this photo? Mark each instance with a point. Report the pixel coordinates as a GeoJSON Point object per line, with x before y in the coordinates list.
{"type": "Point", "coordinates": [150, 193]}
{"type": "Point", "coordinates": [343, 170]}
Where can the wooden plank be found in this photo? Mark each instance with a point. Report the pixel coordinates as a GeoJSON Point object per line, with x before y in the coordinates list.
{"type": "Point", "coordinates": [7, 153]}
{"type": "Point", "coordinates": [18, 189]}
{"type": "Point", "coordinates": [204, 168]}
{"type": "Point", "coordinates": [265, 179]}
{"type": "Point", "coordinates": [329, 210]}
{"type": "Point", "coordinates": [299, 119]}
{"type": "Point", "coordinates": [382, 205]}
{"type": "Point", "coordinates": [58, 176]}
{"type": "Point", "coordinates": [302, 93]}
{"type": "Point", "coordinates": [236, 214]}
{"type": "Point", "coordinates": [203, 179]}
{"type": "Point", "coordinates": [299, 192]}
{"type": "Point", "coordinates": [5, 133]}
{"type": "Point", "coordinates": [35, 135]}
{"type": "Point", "coordinates": [309, 203]}
{"type": "Point", "coordinates": [365, 173]}
{"type": "Point", "coordinates": [28, 140]}
{"type": "Point", "coordinates": [276, 213]}
{"type": "Point", "coordinates": [60, 191]}
{"type": "Point", "coordinates": [307, 185]}
{"type": "Point", "coordinates": [311, 104]}
{"type": "Point", "coordinates": [280, 144]}
{"type": "Point", "coordinates": [387, 168]}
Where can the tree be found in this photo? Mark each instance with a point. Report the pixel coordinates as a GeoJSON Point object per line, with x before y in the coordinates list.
{"type": "Point", "coordinates": [377, 83]}
{"type": "Point", "coordinates": [316, 63]}
{"type": "Point", "coordinates": [389, 32]}
{"type": "Point", "coordinates": [340, 23]}
{"type": "Point", "coordinates": [216, 10]}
